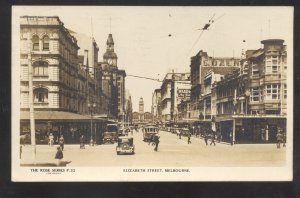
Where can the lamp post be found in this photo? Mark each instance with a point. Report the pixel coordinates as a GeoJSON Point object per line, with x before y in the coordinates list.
{"type": "Point", "coordinates": [31, 103]}
{"type": "Point", "coordinates": [91, 107]}
{"type": "Point", "coordinates": [247, 94]}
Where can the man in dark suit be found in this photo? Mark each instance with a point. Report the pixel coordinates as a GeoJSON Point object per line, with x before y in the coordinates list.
{"type": "Point", "coordinates": [156, 141]}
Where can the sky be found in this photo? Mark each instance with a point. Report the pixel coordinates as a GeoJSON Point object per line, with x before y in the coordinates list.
{"type": "Point", "coordinates": [151, 41]}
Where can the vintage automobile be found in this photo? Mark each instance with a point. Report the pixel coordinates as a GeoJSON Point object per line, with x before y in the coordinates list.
{"type": "Point", "coordinates": [111, 134]}
{"type": "Point", "coordinates": [149, 132]}
{"type": "Point", "coordinates": [125, 145]}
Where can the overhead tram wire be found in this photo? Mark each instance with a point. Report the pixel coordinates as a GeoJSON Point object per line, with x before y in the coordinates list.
{"type": "Point", "coordinates": [206, 26]}
{"type": "Point", "coordinates": [147, 78]}
{"type": "Point", "coordinates": [142, 77]}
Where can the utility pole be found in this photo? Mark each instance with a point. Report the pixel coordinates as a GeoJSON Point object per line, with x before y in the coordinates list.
{"type": "Point", "coordinates": [31, 107]}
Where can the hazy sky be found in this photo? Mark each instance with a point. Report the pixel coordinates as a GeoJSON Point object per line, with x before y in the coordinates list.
{"type": "Point", "coordinates": [142, 40]}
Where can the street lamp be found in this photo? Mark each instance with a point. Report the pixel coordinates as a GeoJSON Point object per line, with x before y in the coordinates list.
{"type": "Point", "coordinates": [91, 107]}
{"type": "Point", "coordinates": [247, 94]}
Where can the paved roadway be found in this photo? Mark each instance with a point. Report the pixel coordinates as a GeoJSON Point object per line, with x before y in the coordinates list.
{"type": "Point", "coordinates": [172, 151]}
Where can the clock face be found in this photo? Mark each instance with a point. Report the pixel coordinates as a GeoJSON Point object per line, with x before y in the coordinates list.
{"type": "Point", "coordinates": [110, 61]}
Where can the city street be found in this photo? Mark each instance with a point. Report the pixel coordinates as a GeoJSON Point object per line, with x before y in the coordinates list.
{"type": "Point", "coordinates": [172, 151]}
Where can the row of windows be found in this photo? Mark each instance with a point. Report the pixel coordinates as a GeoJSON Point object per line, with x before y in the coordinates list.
{"type": "Point", "coordinates": [272, 65]}
{"type": "Point", "coordinates": [270, 92]}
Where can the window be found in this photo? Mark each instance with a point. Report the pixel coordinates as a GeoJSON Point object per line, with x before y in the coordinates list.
{"type": "Point", "coordinates": [35, 43]}
{"type": "Point", "coordinates": [255, 70]}
{"type": "Point", "coordinates": [40, 68]}
{"type": "Point", "coordinates": [255, 94]}
{"type": "Point", "coordinates": [285, 91]}
{"type": "Point", "coordinates": [272, 65]}
{"type": "Point", "coordinates": [272, 92]}
{"type": "Point", "coordinates": [46, 43]}
{"type": "Point", "coordinates": [40, 95]}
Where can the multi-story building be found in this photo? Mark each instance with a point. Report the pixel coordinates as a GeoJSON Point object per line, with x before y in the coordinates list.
{"type": "Point", "coordinates": [251, 103]}
{"type": "Point", "coordinates": [201, 63]}
{"type": "Point", "coordinates": [61, 87]}
{"type": "Point", "coordinates": [184, 114]}
{"type": "Point", "coordinates": [128, 106]}
{"type": "Point", "coordinates": [121, 74]}
{"type": "Point", "coordinates": [156, 105]}
{"type": "Point", "coordinates": [89, 49]}
{"type": "Point", "coordinates": [175, 87]}
{"type": "Point", "coordinates": [207, 107]}
{"type": "Point", "coordinates": [113, 82]}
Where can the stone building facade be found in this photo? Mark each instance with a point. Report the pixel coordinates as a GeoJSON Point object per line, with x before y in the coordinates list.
{"type": "Point", "coordinates": [200, 65]}
{"type": "Point", "coordinates": [251, 102]}
{"type": "Point", "coordinates": [156, 105]}
{"type": "Point", "coordinates": [113, 83]}
{"type": "Point", "coordinates": [62, 86]}
{"type": "Point", "coordinates": [175, 88]}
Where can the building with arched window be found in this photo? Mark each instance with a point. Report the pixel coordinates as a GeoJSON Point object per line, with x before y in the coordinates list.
{"type": "Point", "coordinates": [62, 88]}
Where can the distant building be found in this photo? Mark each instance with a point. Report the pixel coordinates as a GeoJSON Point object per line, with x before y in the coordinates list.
{"type": "Point", "coordinates": [121, 74]}
{"type": "Point", "coordinates": [141, 117]}
{"type": "Point", "coordinates": [128, 107]}
{"type": "Point", "coordinates": [141, 109]}
{"type": "Point", "coordinates": [175, 88]}
{"type": "Point", "coordinates": [156, 105]}
{"type": "Point", "coordinates": [89, 51]}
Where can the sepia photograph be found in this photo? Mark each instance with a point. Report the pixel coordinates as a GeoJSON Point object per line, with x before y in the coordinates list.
{"type": "Point", "coordinates": [134, 93]}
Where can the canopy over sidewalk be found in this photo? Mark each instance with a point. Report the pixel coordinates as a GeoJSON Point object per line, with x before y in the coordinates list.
{"type": "Point", "coordinates": [58, 116]}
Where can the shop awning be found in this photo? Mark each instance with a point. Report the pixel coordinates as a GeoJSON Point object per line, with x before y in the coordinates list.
{"type": "Point", "coordinates": [57, 116]}
{"type": "Point", "coordinates": [259, 116]}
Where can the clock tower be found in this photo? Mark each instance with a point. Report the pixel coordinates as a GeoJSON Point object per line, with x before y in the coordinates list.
{"type": "Point", "coordinates": [110, 57]}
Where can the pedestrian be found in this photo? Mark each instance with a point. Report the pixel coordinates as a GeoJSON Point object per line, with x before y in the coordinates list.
{"type": "Point", "coordinates": [189, 138]}
{"type": "Point", "coordinates": [91, 142]}
{"type": "Point", "coordinates": [205, 137]}
{"type": "Point", "coordinates": [151, 139]}
{"type": "Point", "coordinates": [59, 155]}
{"type": "Point", "coordinates": [180, 134]}
{"type": "Point", "coordinates": [81, 140]}
{"type": "Point", "coordinates": [61, 142]}
{"type": "Point", "coordinates": [279, 137]}
{"type": "Point", "coordinates": [213, 135]}
{"type": "Point", "coordinates": [231, 136]}
{"type": "Point", "coordinates": [156, 141]}
{"type": "Point", "coordinates": [50, 139]}
{"type": "Point", "coordinates": [284, 138]}
{"type": "Point", "coordinates": [21, 151]}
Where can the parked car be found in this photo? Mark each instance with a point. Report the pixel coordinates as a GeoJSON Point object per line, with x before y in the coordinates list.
{"type": "Point", "coordinates": [125, 145]}
{"type": "Point", "coordinates": [111, 133]}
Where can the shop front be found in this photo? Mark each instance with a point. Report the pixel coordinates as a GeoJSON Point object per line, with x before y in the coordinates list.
{"type": "Point", "coordinates": [70, 125]}
{"type": "Point", "coordinates": [256, 129]}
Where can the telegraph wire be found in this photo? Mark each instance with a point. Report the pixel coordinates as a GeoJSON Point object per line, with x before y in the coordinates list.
{"type": "Point", "coordinates": [206, 26]}
{"type": "Point", "coordinates": [137, 76]}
